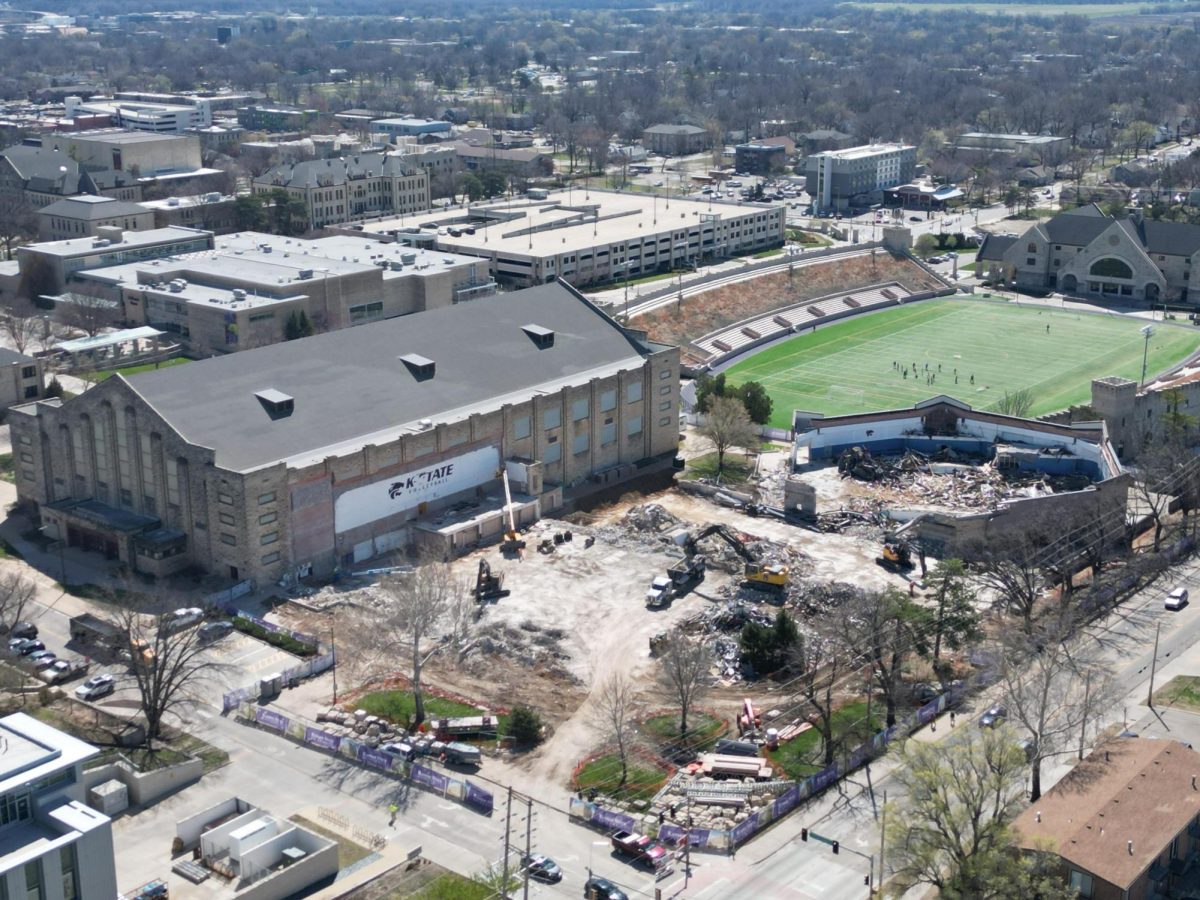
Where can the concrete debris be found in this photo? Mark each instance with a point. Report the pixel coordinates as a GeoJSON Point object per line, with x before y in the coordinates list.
{"type": "Point", "coordinates": [650, 517]}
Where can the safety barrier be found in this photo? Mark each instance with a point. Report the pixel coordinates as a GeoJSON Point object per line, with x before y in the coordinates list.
{"type": "Point", "coordinates": [302, 637]}
{"type": "Point", "coordinates": [310, 667]}
{"type": "Point", "coordinates": [728, 839]}
{"type": "Point", "coordinates": [462, 791]}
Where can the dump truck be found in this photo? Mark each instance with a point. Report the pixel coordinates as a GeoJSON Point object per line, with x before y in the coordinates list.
{"type": "Point", "coordinates": [639, 848]}
{"type": "Point", "coordinates": [96, 632]}
{"type": "Point", "coordinates": [679, 578]}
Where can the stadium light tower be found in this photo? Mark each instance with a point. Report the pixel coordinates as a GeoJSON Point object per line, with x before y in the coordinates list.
{"type": "Point", "coordinates": [1147, 331]}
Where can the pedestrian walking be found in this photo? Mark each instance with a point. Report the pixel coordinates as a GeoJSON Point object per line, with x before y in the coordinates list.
{"type": "Point", "coordinates": [951, 718]}
{"type": "Point", "coordinates": [1047, 328]}
{"type": "Point", "coordinates": [393, 809]}
{"type": "Point", "coordinates": [972, 378]}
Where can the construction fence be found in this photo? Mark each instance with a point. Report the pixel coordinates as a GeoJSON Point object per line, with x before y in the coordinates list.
{"type": "Point", "coordinates": [303, 637]}
{"type": "Point", "coordinates": [727, 839]}
{"type": "Point", "coordinates": [462, 791]}
{"type": "Point", "coordinates": [307, 669]}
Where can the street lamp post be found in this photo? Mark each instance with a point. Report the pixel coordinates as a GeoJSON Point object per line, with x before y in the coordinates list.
{"type": "Point", "coordinates": [1147, 332]}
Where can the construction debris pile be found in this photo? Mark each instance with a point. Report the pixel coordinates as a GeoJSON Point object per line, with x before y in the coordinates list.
{"type": "Point", "coordinates": [529, 645]}
{"type": "Point", "coordinates": [945, 479]}
{"type": "Point", "coordinates": [641, 524]}
{"type": "Point", "coordinates": [716, 803]}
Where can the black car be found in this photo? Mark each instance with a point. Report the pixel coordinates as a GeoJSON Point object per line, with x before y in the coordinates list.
{"type": "Point", "coordinates": [543, 868]}
{"type": "Point", "coordinates": [31, 646]}
{"type": "Point", "coordinates": [603, 889]}
{"type": "Point", "coordinates": [24, 630]}
{"type": "Point", "coordinates": [993, 717]}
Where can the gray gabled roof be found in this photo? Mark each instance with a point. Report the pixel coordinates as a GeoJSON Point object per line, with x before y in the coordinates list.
{"type": "Point", "coordinates": [44, 170]}
{"type": "Point", "coordinates": [351, 387]}
{"type": "Point", "coordinates": [1077, 227]}
{"type": "Point", "coordinates": [329, 172]}
{"type": "Point", "coordinates": [1167, 238]}
{"type": "Point", "coordinates": [8, 357]}
{"type": "Point", "coordinates": [994, 247]}
{"type": "Point", "coordinates": [90, 209]}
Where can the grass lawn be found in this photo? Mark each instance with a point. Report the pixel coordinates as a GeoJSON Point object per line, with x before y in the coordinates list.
{"type": "Point", "coordinates": [642, 781]}
{"type": "Point", "coordinates": [737, 469]}
{"type": "Point", "coordinates": [452, 886]}
{"type": "Point", "coordinates": [763, 254]}
{"type": "Point", "coordinates": [398, 706]}
{"type": "Point", "coordinates": [97, 377]}
{"type": "Point", "coordinates": [1182, 691]}
{"type": "Point", "coordinates": [349, 852]}
{"type": "Point", "coordinates": [703, 730]}
{"type": "Point", "coordinates": [847, 367]}
{"type": "Point", "coordinates": [802, 756]}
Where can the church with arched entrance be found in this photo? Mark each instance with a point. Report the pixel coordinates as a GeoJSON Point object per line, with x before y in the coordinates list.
{"type": "Point", "coordinates": [1085, 252]}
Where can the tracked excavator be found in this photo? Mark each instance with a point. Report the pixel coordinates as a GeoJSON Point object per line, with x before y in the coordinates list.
{"type": "Point", "coordinates": [764, 577]}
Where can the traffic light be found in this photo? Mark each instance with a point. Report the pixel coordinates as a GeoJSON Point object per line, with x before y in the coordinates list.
{"type": "Point", "coordinates": [804, 834]}
{"type": "Point", "coordinates": [836, 846]}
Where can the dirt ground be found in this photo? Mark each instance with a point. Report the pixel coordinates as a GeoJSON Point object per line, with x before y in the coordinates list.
{"type": "Point", "coordinates": [676, 325]}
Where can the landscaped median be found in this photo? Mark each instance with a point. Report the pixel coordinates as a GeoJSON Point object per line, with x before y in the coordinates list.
{"type": "Point", "coordinates": [282, 639]}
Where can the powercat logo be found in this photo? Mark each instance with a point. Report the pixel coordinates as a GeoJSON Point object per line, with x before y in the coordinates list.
{"type": "Point", "coordinates": [421, 480]}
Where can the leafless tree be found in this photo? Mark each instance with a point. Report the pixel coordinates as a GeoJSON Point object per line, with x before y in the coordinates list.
{"type": "Point", "coordinates": [727, 425]}
{"type": "Point", "coordinates": [685, 673]}
{"type": "Point", "coordinates": [401, 620]}
{"type": "Point", "coordinates": [822, 660]}
{"type": "Point", "coordinates": [1162, 470]}
{"type": "Point", "coordinates": [169, 664]}
{"type": "Point", "coordinates": [612, 716]}
{"type": "Point", "coordinates": [16, 593]}
{"type": "Point", "coordinates": [1052, 688]}
{"type": "Point", "coordinates": [22, 323]}
{"type": "Point", "coordinates": [18, 220]}
{"type": "Point", "coordinates": [883, 626]}
{"type": "Point", "coordinates": [1017, 403]}
{"type": "Point", "coordinates": [1010, 567]}
{"type": "Point", "coordinates": [86, 309]}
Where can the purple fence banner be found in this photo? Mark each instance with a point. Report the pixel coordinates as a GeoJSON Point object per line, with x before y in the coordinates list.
{"type": "Point", "coordinates": [271, 719]}
{"type": "Point", "coordinates": [478, 798]}
{"type": "Point", "coordinates": [606, 818]}
{"type": "Point", "coordinates": [322, 739]}
{"type": "Point", "coordinates": [928, 712]}
{"type": "Point", "coordinates": [374, 758]}
{"type": "Point", "coordinates": [787, 801]}
{"type": "Point", "coordinates": [430, 778]}
{"type": "Point", "coordinates": [670, 834]}
{"type": "Point", "coordinates": [822, 779]}
{"type": "Point", "coordinates": [699, 837]}
{"type": "Point", "coordinates": [744, 829]}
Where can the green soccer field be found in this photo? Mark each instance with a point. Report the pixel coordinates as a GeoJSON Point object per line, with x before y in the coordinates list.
{"type": "Point", "coordinates": [848, 367]}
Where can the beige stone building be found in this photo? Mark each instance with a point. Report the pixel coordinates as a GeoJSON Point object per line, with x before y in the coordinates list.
{"type": "Point", "coordinates": [320, 454]}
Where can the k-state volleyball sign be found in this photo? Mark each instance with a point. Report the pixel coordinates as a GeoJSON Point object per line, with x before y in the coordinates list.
{"type": "Point", "coordinates": [389, 496]}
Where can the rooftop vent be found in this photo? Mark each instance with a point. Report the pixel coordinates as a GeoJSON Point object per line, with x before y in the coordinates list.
{"type": "Point", "coordinates": [421, 368]}
{"type": "Point", "coordinates": [543, 338]}
{"type": "Point", "coordinates": [276, 403]}
{"type": "Point", "coordinates": [304, 274]}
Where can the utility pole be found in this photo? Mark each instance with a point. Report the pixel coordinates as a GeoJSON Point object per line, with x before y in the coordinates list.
{"type": "Point", "coordinates": [1153, 665]}
{"type": "Point", "coordinates": [333, 651]}
{"type": "Point", "coordinates": [507, 819]}
{"type": "Point", "coordinates": [528, 848]}
{"type": "Point", "coordinates": [1087, 686]}
{"type": "Point", "coordinates": [687, 845]}
{"type": "Point", "coordinates": [882, 838]}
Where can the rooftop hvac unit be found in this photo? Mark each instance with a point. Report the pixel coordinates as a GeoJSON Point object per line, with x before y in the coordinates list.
{"type": "Point", "coordinates": [239, 294]}
{"type": "Point", "coordinates": [304, 274]}
{"type": "Point", "coordinates": [101, 242]}
{"type": "Point", "coordinates": [212, 197]}
{"type": "Point", "coordinates": [394, 265]}
{"type": "Point", "coordinates": [176, 287]}
{"type": "Point", "coordinates": [426, 424]}
{"type": "Point", "coordinates": [408, 258]}
{"type": "Point", "coordinates": [172, 201]}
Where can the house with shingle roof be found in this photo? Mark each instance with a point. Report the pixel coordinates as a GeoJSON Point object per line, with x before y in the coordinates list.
{"type": "Point", "coordinates": [1125, 823]}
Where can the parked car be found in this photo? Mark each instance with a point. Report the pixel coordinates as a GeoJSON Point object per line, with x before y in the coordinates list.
{"type": "Point", "coordinates": [640, 848]}
{"type": "Point", "coordinates": [30, 646]}
{"type": "Point", "coordinates": [602, 889]}
{"type": "Point", "coordinates": [42, 658]}
{"type": "Point", "coordinates": [214, 631]}
{"type": "Point", "coordinates": [184, 618]}
{"type": "Point", "coordinates": [22, 630]}
{"type": "Point", "coordinates": [993, 716]}
{"type": "Point", "coordinates": [399, 750]}
{"type": "Point", "coordinates": [1177, 599]}
{"type": "Point", "coordinates": [62, 669]}
{"type": "Point", "coordinates": [543, 868]}
{"type": "Point", "coordinates": [96, 687]}
{"type": "Point", "coordinates": [1029, 747]}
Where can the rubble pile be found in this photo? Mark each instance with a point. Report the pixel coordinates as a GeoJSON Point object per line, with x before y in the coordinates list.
{"type": "Point", "coordinates": [716, 803]}
{"type": "Point", "coordinates": [528, 645]}
{"type": "Point", "coordinates": [944, 478]}
{"type": "Point", "coordinates": [649, 523]}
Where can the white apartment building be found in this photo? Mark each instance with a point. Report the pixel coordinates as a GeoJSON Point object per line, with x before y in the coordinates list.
{"type": "Point", "coordinates": [52, 846]}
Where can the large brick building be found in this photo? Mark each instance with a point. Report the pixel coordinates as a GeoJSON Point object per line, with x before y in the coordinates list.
{"type": "Point", "coordinates": [316, 454]}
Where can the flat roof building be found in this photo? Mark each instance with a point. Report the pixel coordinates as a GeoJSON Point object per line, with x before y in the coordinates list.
{"type": "Point", "coordinates": [241, 293]}
{"type": "Point", "coordinates": [406, 125]}
{"type": "Point", "coordinates": [143, 152]}
{"type": "Point", "coordinates": [589, 236]}
{"type": "Point", "coordinates": [857, 176]}
{"type": "Point", "coordinates": [315, 455]}
{"type": "Point", "coordinates": [53, 846]}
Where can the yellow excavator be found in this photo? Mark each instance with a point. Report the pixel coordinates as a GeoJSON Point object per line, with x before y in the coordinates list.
{"type": "Point", "coordinates": [764, 577]}
{"type": "Point", "coordinates": [897, 554]}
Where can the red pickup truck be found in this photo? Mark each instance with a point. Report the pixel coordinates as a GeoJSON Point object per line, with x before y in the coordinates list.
{"type": "Point", "coordinates": [640, 848]}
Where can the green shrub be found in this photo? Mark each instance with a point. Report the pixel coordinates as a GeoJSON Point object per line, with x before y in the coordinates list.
{"type": "Point", "coordinates": [525, 726]}
{"type": "Point", "coordinates": [284, 642]}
